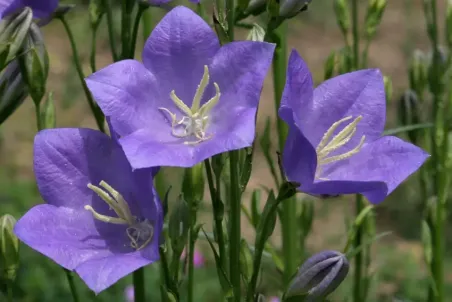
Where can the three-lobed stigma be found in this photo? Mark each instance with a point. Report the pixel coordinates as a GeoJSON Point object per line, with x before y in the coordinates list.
{"type": "Point", "coordinates": [196, 119]}
{"type": "Point", "coordinates": [328, 144]}
{"type": "Point", "coordinates": [140, 232]}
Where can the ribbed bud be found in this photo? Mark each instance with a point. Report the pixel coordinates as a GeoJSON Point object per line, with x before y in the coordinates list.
{"type": "Point", "coordinates": [9, 248]}
{"type": "Point", "coordinates": [342, 15]}
{"type": "Point", "coordinates": [13, 90]}
{"type": "Point", "coordinates": [291, 8]}
{"type": "Point", "coordinates": [418, 72]}
{"type": "Point", "coordinates": [319, 276]}
{"type": "Point", "coordinates": [373, 17]}
{"type": "Point", "coordinates": [409, 112]}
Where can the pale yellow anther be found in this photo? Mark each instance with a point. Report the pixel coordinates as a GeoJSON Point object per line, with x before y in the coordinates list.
{"type": "Point", "coordinates": [196, 118]}
{"type": "Point", "coordinates": [326, 146]}
{"type": "Point", "coordinates": [139, 232]}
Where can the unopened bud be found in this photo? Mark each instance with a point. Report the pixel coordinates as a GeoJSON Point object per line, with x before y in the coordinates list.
{"type": "Point", "coordinates": [256, 7]}
{"type": "Point", "coordinates": [319, 276]}
{"type": "Point", "coordinates": [96, 11]}
{"type": "Point", "coordinates": [409, 112]}
{"type": "Point", "coordinates": [13, 90]}
{"type": "Point", "coordinates": [342, 15]}
{"type": "Point", "coordinates": [34, 63]}
{"type": "Point", "coordinates": [291, 8]}
{"type": "Point", "coordinates": [9, 248]}
{"type": "Point", "coordinates": [373, 17]}
{"type": "Point", "coordinates": [13, 31]}
{"type": "Point", "coordinates": [330, 65]}
{"type": "Point", "coordinates": [178, 226]}
{"type": "Point", "coordinates": [257, 33]}
{"type": "Point", "coordinates": [388, 88]}
{"type": "Point", "coordinates": [418, 72]}
{"type": "Point", "coordinates": [193, 183]}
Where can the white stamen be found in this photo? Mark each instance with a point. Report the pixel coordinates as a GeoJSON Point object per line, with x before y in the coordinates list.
{"type": "Point", "coordinates": [196, 119]}
{"type": "Point", "coordinates": [326, 146]}
{"type": "Point", "coordinates": [140, 233]}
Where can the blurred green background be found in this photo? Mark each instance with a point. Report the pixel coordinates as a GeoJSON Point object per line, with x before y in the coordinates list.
{"type": "Point", "coordinates": [398, 258]}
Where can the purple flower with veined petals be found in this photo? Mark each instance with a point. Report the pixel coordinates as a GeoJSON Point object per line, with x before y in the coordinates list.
{"type": "Point", "coordinates": [335, 143]}
{"type": "Point", "coordinates": [189, 100]}
{"type": "Point", "coordinates": [40, 8]}
{"type": "Point", "coordinates": [101, 219]}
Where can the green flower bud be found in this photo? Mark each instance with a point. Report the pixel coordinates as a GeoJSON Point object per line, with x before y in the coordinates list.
{"type": "Point", "coordinates": [342, 15]}
{"type": "Point", "coordinates": [319, 276]}
{"type": "Point", "coordinates": [373, 16]}
{"type": "Point", "coordinates": [388, 88]}
{"type": "Point", "coordinates": [193, 183]}
{"type": "Point", "coordinates": [409, 112]}
{"type": "Point", "coordinates": [291, 8]}
{"type": "Point", "coordinates": [178, 226]}
{"type": "Point", "coordinates": [9, 248]}
{"type": "Point", "coordinates": [13, 90]}
{"type": "Point", "coordinates": [96, 11]}
{"type": "Point", "coordinates": [34, 63]}
{"type": "Point", "coordinates": [13, 31]}
{"type": "Point", "coordinates": [418, 72]}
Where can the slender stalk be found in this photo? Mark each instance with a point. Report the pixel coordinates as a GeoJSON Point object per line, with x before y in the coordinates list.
{"type": "Point", "coordinates": [9, 289]}
{"type": "Point", "coordinates": [138, 285]}
{"type": "Point", "coordinates": [289, 224]}
{"type": "Point", "coordinates": [92, 57]}
{"type": "Point", "coordinates": [147, 24]}
{"type": "Point", "coordinates": [191, 251]}
{"type": "Point", "coordinates": [357, 284]}
{"type": "Point", "coordinates": [111, 29]}
{"type": "Point", "coordinates": [235, 225]}
{"type": "Point", "coordinates": [230, 15]}
{"type": "Point", "coordinates": [217, 213]}
{"type": "Point", "coordinates": [126, 22]}
{"type": "Point", "coordinates": [98, 116]}
{"type": "Point", "coordinates": [136, 27]}
{"type": "Point", "coordinates": [38, 116]}
{"type": "Point", "coordinates": [70, 280]}
{"type": "Point", "coordinates": [355, 29]}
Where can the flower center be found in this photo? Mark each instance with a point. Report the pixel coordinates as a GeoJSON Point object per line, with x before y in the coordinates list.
{"type": "Point", "coordinates": [140, 232]}
{"type": "Point", "coordinates": [195, 121]}
{"type": "Point", "coordinates": [328, 144]}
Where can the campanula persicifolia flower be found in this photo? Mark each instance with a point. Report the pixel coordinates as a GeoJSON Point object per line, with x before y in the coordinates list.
{"type": "Point", "coordinates": [100, 219]}
{"type": "Point", "coordinates": [335, 143]}
{"type": "Point", "coordinates": [40, 8]}
{"type": "Point", "coordinates": [190, 98]}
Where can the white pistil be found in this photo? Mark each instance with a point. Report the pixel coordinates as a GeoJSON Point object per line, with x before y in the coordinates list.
{"type": "Point", "coordinates": [140, 233]}
{"type": "Point", "coordinates": [196, 118]}
{"type": "Point", "coordinates": [326, 146]}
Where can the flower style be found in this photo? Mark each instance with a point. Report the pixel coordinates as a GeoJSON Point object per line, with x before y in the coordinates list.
{"type": "Point", "coordinates": [40, 8]}
{"type": "Point", "coordinates": [101, 219]}
{"type": "Point", "coordinates": [335, 143]}
{"type": "Point", "coordinates": [189, 100]}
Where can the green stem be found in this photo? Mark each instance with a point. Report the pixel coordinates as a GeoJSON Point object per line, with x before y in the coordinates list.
{"type": "Point", "coordinates": [147, 24]}
{"type": "Point", "coordinates": [289, 223]}
{"type": "Point", "coordinates": [359, 256]}
{"type": "Point", "coordinates": [191, 251]}
{"type": "Point", "coordinates": [98, 116]}
{"type": "Point", "coordinates": [138, 285]}
{"type": "Point", "coordinates": [259, 249]}
{"type": "Point", "coordinates": [9, 289]}
{"type": "Point", "coordinates": [218, 213]}
{"type": "Point", "coordinates": [111, 29]}
{"type": "Point", "coordinates": [235, 225]}
{"type": "Point", "coordinates": [355, 29]}
{"type": "Point", "coordinates": [38, 116]}
{"type": "Point", "coordinates": [92, 57]}
{"type": "Point", "coordinates": [230, 15]}
{"type": "Point", "coordinates": [141, 9]}
{"type": "Point", "coordinates": [126, 21]}
{"type": "Point", "coordinates": [70, 280]}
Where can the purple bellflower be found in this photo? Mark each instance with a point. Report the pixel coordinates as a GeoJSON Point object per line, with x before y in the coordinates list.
{"type": "Point", "coordinates": [101, 219]}
{"type": "Point", "coordinates": [335, 143]}
{"type": "Point", "coordinates": [41, 8]}
{"type": "Point", "coordinates": [190, 98]}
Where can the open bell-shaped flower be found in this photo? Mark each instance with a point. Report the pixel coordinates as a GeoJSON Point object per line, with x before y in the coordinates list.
{"type": "Point", "coordinates": [335, 143]}
{"type": "Point", "coordinates": [190, 98]}
{"type": "Point", "coordinates": [319, 276]}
